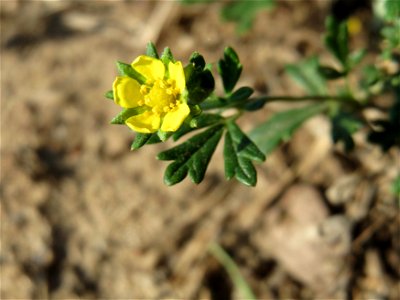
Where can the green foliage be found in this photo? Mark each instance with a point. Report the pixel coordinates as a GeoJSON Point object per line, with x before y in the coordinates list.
{"type": "Point", "coordinates": [199, 80]}
{"type": "Point", "coordinates": [230, 69]}
{"type": "Point", "coordinates": [202, 121]}
{"type": "Point", "coordinates": [239, 151]}
{"type": "Point", "coordinates": [142, 139]}
{"type": "Point", "coordinates": [336, 40]}
{"type": "Point", "coordinates": [344, 125]}
{"type": "Point", "coordinates": [388, 133]}
{"type": "Point", "coordinates": [244, 12]}
{"type": "Point", "coordinates": [281, 126]}
{"type": "Point", "coordinates": [216, 115]}
{"type": "Point", "coordinates": [191, 157]}
{"type": "Point", "coordinates": [307, 75]}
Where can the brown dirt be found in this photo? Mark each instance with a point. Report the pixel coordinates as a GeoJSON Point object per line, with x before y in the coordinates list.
{"type": "Point", "coordinates": [85, 218]}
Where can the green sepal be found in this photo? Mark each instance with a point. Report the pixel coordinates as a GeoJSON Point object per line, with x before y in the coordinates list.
{"type": "Point", "coordinates": [125, 114]}
{"type": "Point", "coordinates": [163, 135]}
{"type": "Point", "coordinates": [330, 73]}
{"type": "Point", "coordinates": [236, 165]}
{"type": "Point", "coordinates": [230, 68]}
{"type": "Point", "coordinates": [336, 39]}
{"type": "Point", "coordinates": [191, 157]}
{"type": "Point", "coordinates": [109, 95]}
{"type": "Point", "coordinates": [151, 50]}
{"type": "Point", "coordinates": [167, 56]}
{"type": "Point", "coordinates": [127, 70]}
{"type": "Point", "coordinates": [201, 121]}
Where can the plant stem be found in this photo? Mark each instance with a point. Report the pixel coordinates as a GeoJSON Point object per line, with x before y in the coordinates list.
{"type": "Point", "coordinates": [232, 269]}
{"type": "Point", "coordinates": [259, 102]}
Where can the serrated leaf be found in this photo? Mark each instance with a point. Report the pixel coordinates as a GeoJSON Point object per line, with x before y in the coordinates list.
{"type": "Point", "coordinates": [343, 126]}
{"type": "Point", "coordinates": [151, 50]}
{"type": "Point", "coordinates": [127, 70]}
{"type": "Point", "coordinates": [306, 74]}
{"type": "Point", "coordinates": [244, 12]}
{"type": "Point", "coordinates": [336, 39]}
{"type": "Point", "coordinates": [191, 157]}
{"type": "Point", "coordinates": [109, 95]}
{"type": "Point", "coordinates": [281, 126]}
{"type": "Point", "coordinates": [125, 114]}
{"type": "Point", "coordinates": [203, 120]}
{"type": "Point", "coordinates": [230, 69]}
{"type": "Point", "coordinates": [236, 165]}
{"type": "Point", "coordinates": [243, 145]}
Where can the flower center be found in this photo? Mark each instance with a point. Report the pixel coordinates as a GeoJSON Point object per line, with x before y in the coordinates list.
{"type": "Point", "coordinates": [161, 95]}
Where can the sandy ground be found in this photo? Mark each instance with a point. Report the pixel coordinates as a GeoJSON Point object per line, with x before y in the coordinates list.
{"type": "Point", "coordinates": [85, 218]}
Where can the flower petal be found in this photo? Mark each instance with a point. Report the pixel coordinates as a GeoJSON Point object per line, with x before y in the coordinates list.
{"type": "Point", "coordinates": [174, 119]}
{"type": "Point", "coordinates": [147, 122]}
{"type": "Point", "coordinates": [126, 92]}
{"type": "Point", "coordinates": [176, 73]}
{"type": "Point", "coordinates": [149, 67]}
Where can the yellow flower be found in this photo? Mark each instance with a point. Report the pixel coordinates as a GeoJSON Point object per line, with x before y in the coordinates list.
{"type": "Point", "coordinates": [160, 96]}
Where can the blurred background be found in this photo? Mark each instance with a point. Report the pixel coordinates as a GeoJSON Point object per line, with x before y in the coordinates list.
{"type": "Point", "coordinates": [83, 217]}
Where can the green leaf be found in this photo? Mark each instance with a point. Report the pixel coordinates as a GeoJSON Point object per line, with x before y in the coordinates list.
{"type": "Point", "coordinates": [356, 57]}
{"type": "Point", "coordinates": [230, 69]}
{"type": "Point", "coordinates": [241, 94]}
{"type": "Point", "coordinates": [330, 73]}
{"type": "Point", "coordinates": [199, 84]}
{"type": "Point", "coordinates": [127, 70]}
{"type": "Point", "coordinates": [239, 151]}
{"type": "Point", "coordinates": [142, 139]}
{"type": "Point", "coordinates": [306, 74]}
{"type": "Point", "coordinates": [243, 145]}
{"type": "Point", "coordinates": [198, 61]}
{"type": "Point", "coordinates": [109, 95]}
{"type": "Point", "coordinates": [151, 50]}
{"type": "Point", "coordinates": [336, 39]}
{"type": "Point", "coordinates": [191, 157]}
{"type": "Point", "coordinates": [244, 12]}
{"type": "Point", "coordinates": [203, 120]}
{"type": "Point", "coordinates": [281, 126]}
{"type": "Point", "coordinates": [125, 114]}
{"type": "Point", "coordinates": [343, 126]}
{"type": "Point", "coordinates": [238, 166]}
